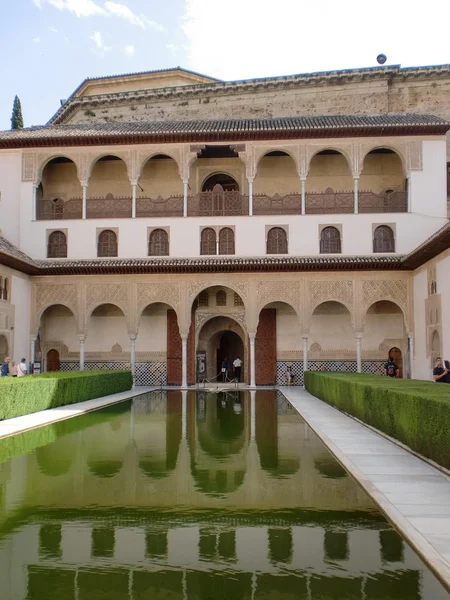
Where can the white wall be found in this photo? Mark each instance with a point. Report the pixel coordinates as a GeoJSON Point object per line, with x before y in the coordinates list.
{"type": "Point", "coordinates": [443, 288]}
{"type": "Point", "coordinates": [10, 189]}
{"type": "Point", "coordinates": [428, 188]}
{"type": "Point", "coordinates": [21, 298]}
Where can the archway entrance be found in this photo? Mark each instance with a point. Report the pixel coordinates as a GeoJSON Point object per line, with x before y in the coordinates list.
{"type": "Point", "coordinates": [228, 183]}
{"type": "Point", "coordinates": [221, 337]}
{"type": "Point", "coordinates": [396, 354]}
{"type": "Point", "coordinates": [53, 360]}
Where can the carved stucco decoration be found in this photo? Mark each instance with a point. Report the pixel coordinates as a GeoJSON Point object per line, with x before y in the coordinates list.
{"type": "Point", "coordinates": [107, 293]}
{"type": "Point", "coordinates": [278, 291]}
{"type": "Point", "coordinates": [194, 288]}
{"type": "Point", "coordinates": [50, 294]}
{"type": "Point", "coordinates": [341, 290]}
{"type": "Point", "coordinates": [394, 290]}
{"type": "Point", "coordinates": [6, 316]}
{"type": "Point", "coordinates": [149, 293]}
{"type": "Point", "coordinates": [201, 318]}
{"type": "Point", "coordinates": [29, 166]}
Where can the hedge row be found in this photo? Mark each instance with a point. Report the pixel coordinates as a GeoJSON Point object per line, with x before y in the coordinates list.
{"type": "Point", "coordinates": [25, 395]}
{"type": "Point", "coordinates": [414, 412]}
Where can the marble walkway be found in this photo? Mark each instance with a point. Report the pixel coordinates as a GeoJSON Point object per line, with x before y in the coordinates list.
{"type": "Point", "coordinates": [412, 494]}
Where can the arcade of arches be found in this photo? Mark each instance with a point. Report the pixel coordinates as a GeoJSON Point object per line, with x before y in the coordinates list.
{"type": "Point", "coordinates": [178, 332]}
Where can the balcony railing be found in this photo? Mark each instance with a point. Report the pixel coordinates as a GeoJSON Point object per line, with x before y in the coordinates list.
{"type": "Point", "coordinates": [159, 207]}
{"type": "Point", "coordinates": [391, 202]}
{"type": "Point", "coordinates": [329, 203]}
{"type": "Point", "coordinates": [59, 209]}
{"type": "Point", "coordinates": [116, 207]}
{"type": "Point", "coordinates": [217, 203]}
{"type": "Point", "coordinates": [290, 204]}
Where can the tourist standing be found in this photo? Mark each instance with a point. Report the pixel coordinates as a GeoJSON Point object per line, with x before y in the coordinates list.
{"type": "Point", "coordinates": [439, 372]}
{"type": "Point", "coordinates": [390, 368]}
{"type": "Point", "coordinates": [13, 369]}
{"type": "Point", "coordinates": [237, 366]}
{"type": "Point", "coordinates": [225, 368]}
{"type": "Point", "coordinates": [22, 369]}
{"type": "Point", "coordinates": [4, 371]}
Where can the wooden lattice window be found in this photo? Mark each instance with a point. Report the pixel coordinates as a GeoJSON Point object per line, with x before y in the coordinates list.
{"type": "Point", "coordinates": [330, 241]}
{"type": "Point", "coordinates": [158, 244]}
{"type": "Point", "coordinates": [277, 241]}
{"type": "Point", "coordinates": [208, 241]}
{"type": "Point", "coordinates": [4, 289]}
{"type": "Point", "coordinates": [221, 298]}
{"type": "Point", "coordinates": [226, 241]}
{"type": "Point", "coordinates": [203, 299]}
{"type": "Point", "coordinates": [383, 239]}
{"type": "Point", "coordinates": [57, 245]}
{"type": "Point", "coordinates": [107, 243]}
{"type": "Point", "coordinates": [238, 300]}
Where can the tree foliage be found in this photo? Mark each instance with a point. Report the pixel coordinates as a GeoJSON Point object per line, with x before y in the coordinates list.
{"type": "Point", "coordinates": [16, 117]}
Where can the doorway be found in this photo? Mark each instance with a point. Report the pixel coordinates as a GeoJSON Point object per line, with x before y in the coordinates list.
{"type": "Point", "coordinates": [53, 363]}
{"type": "Point", "coordinates": [396, 354]}
{"type": "Point", "coordinates": [230, 347]}
{"type": "Point", "coordinates": [222, 337]}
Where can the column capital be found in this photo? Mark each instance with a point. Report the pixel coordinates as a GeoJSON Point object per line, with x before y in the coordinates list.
{"type": "Point", "coordinates": [358, 335]}
{"type": "Point", "coordinates": [252, 336]}
{"type": "Point", "coordinates": [33, 338]}
{"type": "Point", "coordinates": [133, 182]}
{"type": "Point", "coordinates": [184, 336]}
{"type": "Point", "coordinates": [305, 336]}
{"type": "Point", "coordinates": [84, 184]}
{"type": "Point", "coordinates": [82, 338]}
{"type": "Point", "coordinates": [132, 337]}
{"type": "Point", "coordinates": [410, 334]}
{"type": "Point", "coordinates": [251, 179]}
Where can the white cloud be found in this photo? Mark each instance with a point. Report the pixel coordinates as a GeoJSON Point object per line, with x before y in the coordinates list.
{"type": "Point", "coordinates": [89, 8]}
{"type": "Point", "coordinates": [53, 29]}
{"type": "Point", "coordinates": [298, 36]}
{"type": "Point", "coordinates": [173, 48]}
{"type": "Point", "coordinates": [97, 37]}
{"type": "Point", "coordinates": [126, 14]}
{"type": "Point", "coordinates": [36, 40]}
{"type": "Point", "coordinates": [80, 8]}
{"type": "Point", "coordinates": [129, 49]}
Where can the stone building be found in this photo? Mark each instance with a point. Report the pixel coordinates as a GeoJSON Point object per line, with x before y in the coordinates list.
{"type": "Point", "coordinates": [168, 220]}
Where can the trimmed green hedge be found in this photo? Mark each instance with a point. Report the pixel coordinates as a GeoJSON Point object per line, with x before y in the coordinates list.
{"type": "Point", "coordinates": [25, 395]}
{"type": "Point", "coordinates": [414, 412]}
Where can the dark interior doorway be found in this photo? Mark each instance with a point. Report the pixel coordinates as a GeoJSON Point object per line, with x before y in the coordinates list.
{"type": "Point", "coordinates": [230, 347]}
{"type": "Point", "coordinates": [226, 181]}
{"type": "Point", "coordinates": [396, 354]}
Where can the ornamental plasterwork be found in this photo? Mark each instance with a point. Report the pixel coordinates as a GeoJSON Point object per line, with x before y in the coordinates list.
{"type": "Point", "coordinates": [248, 158]}
{"type": "Point", "coordinates": [6, 316]}
{"type": "Point", "coordinates": [195, 287]}
{"type": "Point", "coordinates": [336, 291]}
{"type": "Point", "coordinates": [148, 293]}
{"type": "Point", "coordinates": [201, 318]}
{"type": "Point", "coordinates": [278, 291]}
{"type": "Point", "coordinates": [50, 294]}
{"type": "Point", "coordinates": [395, 290]}
{"type": "Point", "coordinates": [29, 165]}
{"type": "Point", "coordinates": [106, 293]}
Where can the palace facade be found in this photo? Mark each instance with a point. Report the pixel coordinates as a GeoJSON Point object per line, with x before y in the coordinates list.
{"type": "Point", "coordinates": [164, 221]}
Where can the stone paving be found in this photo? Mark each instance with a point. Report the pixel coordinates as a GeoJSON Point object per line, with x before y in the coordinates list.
{"type": "Point", "coordinates": [412, 494]}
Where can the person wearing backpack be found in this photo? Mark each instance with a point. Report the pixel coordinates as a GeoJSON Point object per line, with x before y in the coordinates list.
{"type": "Point", "coordinates": [439, 372]}
{"type": "Point", "coordinates": [390, 368]}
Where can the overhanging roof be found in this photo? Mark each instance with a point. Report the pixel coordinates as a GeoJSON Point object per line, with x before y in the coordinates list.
{"type": "Point", "coordinates": [329, 126]}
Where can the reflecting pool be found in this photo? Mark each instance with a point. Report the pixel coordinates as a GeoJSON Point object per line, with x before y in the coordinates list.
{"type": "Point", "coordinates": [199, 496]}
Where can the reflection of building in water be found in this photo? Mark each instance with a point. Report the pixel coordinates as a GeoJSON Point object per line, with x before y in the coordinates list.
{"type": "Point", "coordinates": [269, 516]}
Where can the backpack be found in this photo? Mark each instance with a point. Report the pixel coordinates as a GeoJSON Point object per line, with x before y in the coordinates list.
{"type": "Point", "coordinates": [391, 370]}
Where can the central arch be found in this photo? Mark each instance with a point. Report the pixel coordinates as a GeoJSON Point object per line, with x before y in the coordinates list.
{"type": "Point", "coordinates": [220, 337]}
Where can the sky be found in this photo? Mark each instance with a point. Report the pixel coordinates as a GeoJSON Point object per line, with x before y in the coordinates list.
{"type": "Point", "coordinates": [48, 47]}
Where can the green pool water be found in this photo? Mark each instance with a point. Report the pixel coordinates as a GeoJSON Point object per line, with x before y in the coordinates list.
{"type": "Point", "coordinates": [198, 496]}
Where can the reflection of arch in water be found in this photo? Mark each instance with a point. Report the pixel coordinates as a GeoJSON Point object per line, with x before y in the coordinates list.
{"type": "Point", "coordinates": [159, 465]}
{"type": "Point", "coordinates": [53, 459]}
{"type": "Point", "coordinates": [267, 438]}
{"type": "Point", "coordinates": [217, 482]}
{"type": "Point", "coordinates": [327, 466]}
{"type": "Point", "coordinates": [222, 430]}
{"type": "Point", "coordinates": [104, 468]}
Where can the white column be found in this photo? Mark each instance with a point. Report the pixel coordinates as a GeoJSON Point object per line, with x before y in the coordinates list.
{"type": "Point", "coordinates": [355, 194]}
{"type": "Point", "coordinates": [33, 349]}
{"type": "Point", "coordinates": [252, 415]}
{"type": "Point", "coordinates": [183, 414]}
{"type": "Point", "coordinates": [133, 356]}
{"type": "Point", "coordinates": [408, 192]}
{"type": "Point", "coordinates": [84, 209]}
{"type": "Point", "coordinates": [81, 338]}
{"type": "Point", "coordinates": [250, 196]}
{"type": "Point", "coordinates": [305, 356]}
{"type": "Point", "coordinates": [184, 337]}
{"type": "Point", "coordinates": [358, 337]}
{"type": "Point", "coordinates": [185, 197]}
{"type": "Point", "coordinates": [35, 189]}
{"type": "Point", "coordinates": [252, 337]}
{"type": "Point", "coordinates": [411, 355]}
{"type": "Point", "coordinates": [133, 199]}
{"type": "Point", "coordinates": [303, 182]}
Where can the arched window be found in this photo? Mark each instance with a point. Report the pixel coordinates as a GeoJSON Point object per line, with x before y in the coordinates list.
{"type": "Point", "coordinates": [276, 241]}
{"type": "Point", "coordinates": [238, 300]}
{"type": "Point", "coordinates": [158, 244]}
{"type": "Point", "coordinates": [226, 241]}
{"type": "Point", "coordinates": [208, 241]}
{"type": "Point", "coordinates": [383, 239]}
{"type": "Point", "coordinates": [330, 241]}
{"type": "Point", "coordinates": [203, 299]}
{"type": "Point", "coordinates": [221, 298]}
{"type": "Point", "coordinates": [107, 243]}
{"type": "Point", "coordinates": [57, 245]}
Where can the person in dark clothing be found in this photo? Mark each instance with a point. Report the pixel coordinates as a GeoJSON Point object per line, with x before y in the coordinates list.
{"type": "Point", "coordinates": [440, 373]}
{"type": "Point", "coordinates": [390, 368]}
{"type": "Point", "coordinates": [5, 367]}
{"type": "Point", "coordinates": [225, 368]}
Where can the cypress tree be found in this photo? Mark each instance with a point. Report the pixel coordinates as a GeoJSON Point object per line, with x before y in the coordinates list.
{"type": "Point", "coordinates": [16, 118]}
